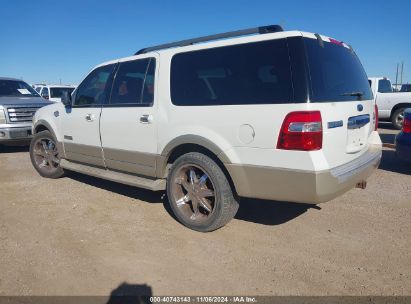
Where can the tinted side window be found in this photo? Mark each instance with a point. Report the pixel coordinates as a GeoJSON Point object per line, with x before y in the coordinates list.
{"type": "Point", "coordinates": [253, 73]}
{"type": "Point", "coordinates": [384, 86]}
{"type": "Point", "coordinates": [45, 92]}
{"type": "Point", "coordinates": [134, 83]}
{"type": "Point", "coordinates": [406, 88]}
{"type": "Point", "coordinates": [92, 91]}
{"type": "Point", "coordinates": [57, 92]}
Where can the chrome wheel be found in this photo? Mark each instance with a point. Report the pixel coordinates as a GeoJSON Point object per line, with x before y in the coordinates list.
{"type": "Point", "coordinates": [400, 118]}
{"type": "Point", "coordinates": [193, 193]}
{"type": "Point", "coordinates": [45, 154]}
{"type": "Point", "coordinates": [199, 193]}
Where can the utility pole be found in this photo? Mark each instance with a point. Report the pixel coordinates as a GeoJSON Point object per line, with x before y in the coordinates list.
{"type": "Point", "coordinates": [402, 70]}
{"type": "Point", "coordinates": [396, 78]}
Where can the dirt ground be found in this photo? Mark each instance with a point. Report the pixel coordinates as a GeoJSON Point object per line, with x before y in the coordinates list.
{"type": "Point", "coordinates": [84, 236]}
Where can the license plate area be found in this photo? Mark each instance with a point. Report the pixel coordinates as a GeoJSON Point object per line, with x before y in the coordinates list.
{"type": "Point", "coordinates": [20, 134]}
{"type": "Point", "coordinates": [357, 131]}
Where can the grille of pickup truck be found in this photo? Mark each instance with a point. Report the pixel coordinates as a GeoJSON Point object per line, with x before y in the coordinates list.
{"type": "Point", "coordinates": [21, 113]}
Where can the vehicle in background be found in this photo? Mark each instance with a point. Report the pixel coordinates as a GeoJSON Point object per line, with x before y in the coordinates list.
{"type": "Point", "coordinates": [18, 103]}
{"type": "Point", "coordinates": [405, 88]}
{"type": "Point", "coordinates": [396, 87]}
{"type": "Point", "coordinates": [285, 116]}
{"type": "Point", "coordinates": [38, 86]}
{"type": "Point", "coordinates": [54, 92]}
{"type": "Point", "coordinates": [391, 105]}
{"type": "Point", "coordinates": [403, 139]}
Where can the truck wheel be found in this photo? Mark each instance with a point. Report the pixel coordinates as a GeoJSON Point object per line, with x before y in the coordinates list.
{"type": "Point", "coordinates": [45, 156]}
{"type": "Point", "coordinates": [199, 193]}
{"type": "Point", "coordinates": [397, 118]}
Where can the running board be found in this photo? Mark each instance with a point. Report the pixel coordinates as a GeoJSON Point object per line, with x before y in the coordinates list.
{"type": "Point", "coordinates": [123, 178]}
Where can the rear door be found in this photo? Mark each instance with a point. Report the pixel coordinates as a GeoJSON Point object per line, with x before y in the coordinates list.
{"type": "Point", "coordinates": [129, 122]}
{"type": "Point", "coordinates": [339, 88]}
{"type": "Point", "coordinates": [80, 123]}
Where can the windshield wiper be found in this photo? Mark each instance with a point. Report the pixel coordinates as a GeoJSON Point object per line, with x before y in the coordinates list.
{"type": "Point", "coordinates": [358, 94]}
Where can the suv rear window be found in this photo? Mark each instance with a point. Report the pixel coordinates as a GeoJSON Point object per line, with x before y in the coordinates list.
{"type": "Point", "coordinates": [253, 73]}
{"type": "Point", "coordinates": [336, 73]}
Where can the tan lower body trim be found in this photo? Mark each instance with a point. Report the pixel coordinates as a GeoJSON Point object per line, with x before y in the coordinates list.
{"type": "Point", "coordinates": [131, 161]}
{"type": "Point", "coordinates": [116, 159]}
{"type": "Point", "coordinates": [84, 154]}
{"type": "Point", "coordinates": [124, 178]}
{"type": "Point", "coordinates": [293, 185]}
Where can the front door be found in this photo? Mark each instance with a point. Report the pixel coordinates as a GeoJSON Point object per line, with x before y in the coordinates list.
{"type": "Point", "coordinates": [80, 123]}
{"type": "Point", "coordinates": [128, 122]}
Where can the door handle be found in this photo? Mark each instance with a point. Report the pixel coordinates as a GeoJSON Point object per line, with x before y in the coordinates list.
{"type": "Point", "coordinates": [146, 119]}
{"type": "Point", "coordinates": [90, 117]}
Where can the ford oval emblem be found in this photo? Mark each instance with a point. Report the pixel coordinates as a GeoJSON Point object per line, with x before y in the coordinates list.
{"type": "Point", "coordinates": [360, 107]}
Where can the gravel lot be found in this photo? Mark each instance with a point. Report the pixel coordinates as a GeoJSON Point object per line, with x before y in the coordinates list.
{"type": "Point", "coordinates": [84, 236]}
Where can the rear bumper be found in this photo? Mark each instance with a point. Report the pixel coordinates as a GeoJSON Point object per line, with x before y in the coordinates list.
{"type": "Point", "coordinates": [303, 186]}
{"type": "Point", "coordinates": [15, 134]}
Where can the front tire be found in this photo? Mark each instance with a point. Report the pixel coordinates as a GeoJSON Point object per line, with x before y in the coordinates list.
{"type": "Point", "coordinates": [199, 193]}
{"type": "Point", "coordinates": [45, 156]}
{"type": "Point", "coordinates": [397, 118]}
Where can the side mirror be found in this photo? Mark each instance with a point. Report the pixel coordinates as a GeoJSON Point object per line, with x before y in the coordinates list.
{"type": "Point", "coordinates": [66, 99]}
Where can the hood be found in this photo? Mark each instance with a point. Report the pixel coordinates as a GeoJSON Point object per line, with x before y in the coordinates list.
{"type": "Point", "coordinates": [23, 100]}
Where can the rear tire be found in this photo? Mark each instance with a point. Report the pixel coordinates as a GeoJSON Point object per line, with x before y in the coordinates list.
{"type": "Point", "coordinates": [397, 118]}
{"type": "Point", "coordinates": [199, 193]}
{"type": "Point", "coordinates": [45, 156]}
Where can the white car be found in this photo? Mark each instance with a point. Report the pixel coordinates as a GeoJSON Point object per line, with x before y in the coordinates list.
{"type": "Point", "coordinates": [391, 105]}
{"type": "Point", "coordinates": [279, 115]}
{"type": "Point", "coordinates": [53, 92]}
{"type": "Point", "coordinates": [37, 87]}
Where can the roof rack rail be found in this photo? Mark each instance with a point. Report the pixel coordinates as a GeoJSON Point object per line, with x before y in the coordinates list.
{"type": "Point", "coordinates": [256, 30]}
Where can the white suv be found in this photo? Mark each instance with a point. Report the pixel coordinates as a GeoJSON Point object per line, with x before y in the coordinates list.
{"type": "Point", "coordinates": [285, 116]}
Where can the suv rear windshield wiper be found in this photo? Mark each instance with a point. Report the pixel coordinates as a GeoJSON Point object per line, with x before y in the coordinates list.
{"type": "Point", "coordinates": [358, 94]}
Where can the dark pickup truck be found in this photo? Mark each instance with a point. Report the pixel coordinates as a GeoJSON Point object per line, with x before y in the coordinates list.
{"type": "Point", "coordinates": [18, 103]}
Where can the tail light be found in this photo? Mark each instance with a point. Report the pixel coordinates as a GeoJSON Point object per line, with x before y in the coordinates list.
{"type": "Point", "coordinates": [376, 117]}
{"type": "Point", "coordinates": [406, 125]}
{"type": "Point", "coordinates": [301, 131]}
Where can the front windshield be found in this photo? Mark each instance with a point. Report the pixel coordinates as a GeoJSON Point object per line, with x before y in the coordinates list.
{"type": "Point", "coordinates": [16, 88]}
